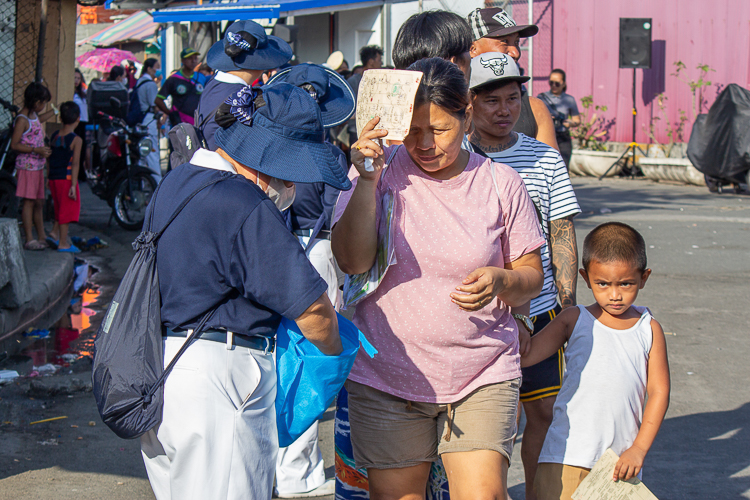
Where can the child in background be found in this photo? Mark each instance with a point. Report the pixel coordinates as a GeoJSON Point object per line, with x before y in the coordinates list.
{"type": "Point", "coordinates": [64, 163]}
{"type": "Point", "coordinates": [616, 354]}
{"type": "Point", "coordinates": [28, 140]}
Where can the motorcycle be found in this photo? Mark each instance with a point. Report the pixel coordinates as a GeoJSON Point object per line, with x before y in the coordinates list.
{"type": "Point", "coordinates": [117, 174]}
{"type": "Point", "coordinates": [8, 200]}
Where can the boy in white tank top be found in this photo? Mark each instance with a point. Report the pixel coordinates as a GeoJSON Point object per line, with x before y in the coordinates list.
{"type": "Point", "coordinates": [616, 354]}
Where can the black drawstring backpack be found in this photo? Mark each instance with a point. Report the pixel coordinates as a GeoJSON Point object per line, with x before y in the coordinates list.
{"type": "Point", "coordinates": [128, 371]}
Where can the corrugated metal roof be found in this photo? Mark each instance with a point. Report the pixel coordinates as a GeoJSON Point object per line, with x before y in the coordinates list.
{"type": "Point", "coordinates": [139, 27]}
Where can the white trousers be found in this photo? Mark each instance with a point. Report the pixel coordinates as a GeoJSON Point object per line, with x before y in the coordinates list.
{"type": "Point", "coordinates": [152, 159]}
{"type": "Point", "coordinates": [300, 467]}
{"type": "Point", "coordinates": [218, 437]}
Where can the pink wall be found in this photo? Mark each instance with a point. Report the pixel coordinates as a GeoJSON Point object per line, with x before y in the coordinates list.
{"type": "Point", "coordinates": [582, 37]}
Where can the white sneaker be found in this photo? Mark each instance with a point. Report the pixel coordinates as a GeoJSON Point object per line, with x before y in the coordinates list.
{"type": "Point", "coordinates": [327, 488]}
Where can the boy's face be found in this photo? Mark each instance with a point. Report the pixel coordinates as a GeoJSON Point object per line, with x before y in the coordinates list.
{"type": "Point", "coordinates": [615, 285]}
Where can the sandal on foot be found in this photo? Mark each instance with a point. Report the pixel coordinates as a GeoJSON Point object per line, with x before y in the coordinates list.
{"type": "Point", "coordinates": [34, 245]}
{"type": "Point", "coordinates": [53, 243]}
{"type": "Point", "coordinates": [70, 249]}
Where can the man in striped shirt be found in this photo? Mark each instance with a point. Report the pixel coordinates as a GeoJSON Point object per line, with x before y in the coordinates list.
{"type": "Point", "coordinates": [496, 98]}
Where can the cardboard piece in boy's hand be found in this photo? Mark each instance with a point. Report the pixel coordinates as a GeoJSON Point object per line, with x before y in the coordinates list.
{"type": "Point", "coordinates": [599, 485]}
{"type": "Point", "coordinates": [389, 94]}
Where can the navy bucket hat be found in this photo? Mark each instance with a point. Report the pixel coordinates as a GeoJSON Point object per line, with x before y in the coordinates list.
{"type": "Point", "coordinates": [285, 139]}
{"type": "Point", "coordinates": [334, 96]}
{"type": "Point", "coordinates": [252, 49]}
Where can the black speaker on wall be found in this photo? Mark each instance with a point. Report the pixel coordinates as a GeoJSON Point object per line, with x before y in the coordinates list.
{"type": "Point", "coordinates": [635, 42]}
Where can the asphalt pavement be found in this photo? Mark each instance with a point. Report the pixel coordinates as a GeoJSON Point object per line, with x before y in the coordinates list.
{"type": "Point", "coordinates": [699, 251]}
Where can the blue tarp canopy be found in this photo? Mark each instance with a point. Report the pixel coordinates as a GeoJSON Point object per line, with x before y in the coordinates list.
{"type": "Point", "coordinates": [259, 9]}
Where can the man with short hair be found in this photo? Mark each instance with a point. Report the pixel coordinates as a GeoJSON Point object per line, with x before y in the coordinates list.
{"type": "Point", "coordinates": [494, 30]}
{"type": "Point", "coordinates": [496, 100]}
{"type": "Point", "coordinates": [185, 86]}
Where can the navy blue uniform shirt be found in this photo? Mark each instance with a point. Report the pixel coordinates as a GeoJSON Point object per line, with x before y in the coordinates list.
{"type": "Point", "coordinates": [229, 247]}
{"type": "Point", "coordinates": [221, 86]}
{"type": "Point", "coordinates": [312, 200]}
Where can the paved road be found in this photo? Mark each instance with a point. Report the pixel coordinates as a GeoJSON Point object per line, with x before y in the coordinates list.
{"type": "Point", "coordinates": [699, 250]}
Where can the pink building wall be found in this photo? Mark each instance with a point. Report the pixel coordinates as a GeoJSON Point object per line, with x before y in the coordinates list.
{"type": "Point", "coordinates": [582, 37]}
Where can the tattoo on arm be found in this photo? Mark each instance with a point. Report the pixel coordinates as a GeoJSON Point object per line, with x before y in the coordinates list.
{"type": "Point", "coordinates": [564, 251]}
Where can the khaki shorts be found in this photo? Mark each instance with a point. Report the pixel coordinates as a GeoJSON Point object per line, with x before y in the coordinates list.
{"type": "Point", "coordinates": [388, 432]}
{"type": "Point", "coordinates": [557, 481]}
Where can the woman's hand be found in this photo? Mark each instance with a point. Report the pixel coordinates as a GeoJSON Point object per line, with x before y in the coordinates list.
{"type": "Point", "coordinates": [367, 147]}
{"type": "Point", "coordinates": [479, 288]}
{"type": "Point", "coordinates": [629, 464]}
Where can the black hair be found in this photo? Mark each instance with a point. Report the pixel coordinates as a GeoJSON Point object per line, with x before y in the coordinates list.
{"type": "Point", "coordinates": [435, 33]}
{"type": "Point", "coordinates": [69, 112]}
{"type": "Point", "coordinates": [35, 92]}
{"type": "Point", "coordinates": [225, 119]}
{"type": "Point", "coordinates": [614, 242]}
{"type": "Point", "coordinates": [493, 86]}
{"type": "Point", "coordinates": [368, 53]}
{"type": "Point", "coordinates": [233, 50]}
{"type": "Point", "coordinates": [80, 90]}
{"type": "Point", "coordinates": [564, 78]}
{"type": "Point", "coordinates": [148, 64]}
{"type": "Point", "coordinates": [443, 84]}
{"type": "Point", "coordinates": [115, 73]}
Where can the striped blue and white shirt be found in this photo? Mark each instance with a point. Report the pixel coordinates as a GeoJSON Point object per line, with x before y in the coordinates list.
{"type": "Point", "coordinates": [548, 183]}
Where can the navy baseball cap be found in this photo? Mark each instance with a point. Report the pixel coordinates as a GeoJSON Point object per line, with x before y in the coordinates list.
{"type": "Point", "coordinates": [333, 95]}
{"type": "Point", "coordinates": [250, 48]}
{"type": "Point", "coordinates": [285, 140]}
{"type": "Point", "coordinates": [187, 52]}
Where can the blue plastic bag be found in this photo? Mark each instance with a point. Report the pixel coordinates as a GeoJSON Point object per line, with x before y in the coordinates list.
{"type": "Point", "coordinates": [308, 380]}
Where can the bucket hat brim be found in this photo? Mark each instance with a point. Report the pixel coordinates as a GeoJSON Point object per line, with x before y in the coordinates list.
{"type": "Point", "coordinates": [301, 161]}
{"type": "Point", "coordinates": [340, 102]}
{"type": "Point", "coordinates": [273, 55]}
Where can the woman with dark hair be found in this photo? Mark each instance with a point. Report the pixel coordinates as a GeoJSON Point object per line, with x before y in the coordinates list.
{"type": "Point", "coordinates": [445, 382]}
{"type": "Point", "coordinates": [564, 111]}
{"type": "Point", "coordinates": [435, 33]}
{"type": "Point", "coordinates": [117, 74]}
{"type": "Point", "coordinates": [146, 90]}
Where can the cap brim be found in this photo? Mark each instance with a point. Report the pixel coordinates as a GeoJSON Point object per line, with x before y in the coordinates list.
{"type": "Point", "coordinates": [340, 102]}
{"type": "Point", "coordinates": [295, 161]}
{"type": "Point", "coordinates": [193, 53]}
{"type": "Point", "coordinates": [524, 31]}
{"type": "Point", "coordinates": [519, 79]}
{"type": "Point", "coordinates": [273, 55]}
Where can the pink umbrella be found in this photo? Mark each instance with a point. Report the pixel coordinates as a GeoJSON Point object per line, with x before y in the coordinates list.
{"type": "Point", "coordinates": [104, 59]}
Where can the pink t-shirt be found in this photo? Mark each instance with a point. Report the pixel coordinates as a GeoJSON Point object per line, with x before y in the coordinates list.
{"type": "Point", "coordinates": [429, 350]}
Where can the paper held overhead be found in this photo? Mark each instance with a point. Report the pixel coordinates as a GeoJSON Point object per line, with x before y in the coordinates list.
{"type": "Point", "coordinates": [389, 94]}
{"type": "Point", "coordinates": [599, 485]}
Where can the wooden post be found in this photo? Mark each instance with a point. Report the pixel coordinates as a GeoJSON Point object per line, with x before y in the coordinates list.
{"type": "Point", "coordinates": [40, 47]}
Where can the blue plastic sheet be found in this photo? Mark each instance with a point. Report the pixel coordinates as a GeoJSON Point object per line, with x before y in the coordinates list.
{"type": "Point", "coordinates": [308, 380]}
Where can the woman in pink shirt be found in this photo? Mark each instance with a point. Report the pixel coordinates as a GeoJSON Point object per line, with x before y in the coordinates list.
{"type": "Point", "coordinates": [445, 382]}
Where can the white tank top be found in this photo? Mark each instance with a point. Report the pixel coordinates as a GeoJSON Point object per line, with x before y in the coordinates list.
{"type": "Point", "coordinates": [600, 404]}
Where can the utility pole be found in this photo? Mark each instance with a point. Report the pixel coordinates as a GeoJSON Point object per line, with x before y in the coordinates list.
{"type": "Point", "coordinates": [42, 36]}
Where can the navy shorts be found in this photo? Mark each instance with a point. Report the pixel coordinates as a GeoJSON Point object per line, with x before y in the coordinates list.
{"type": "Point", "coordinates": [543, 379]}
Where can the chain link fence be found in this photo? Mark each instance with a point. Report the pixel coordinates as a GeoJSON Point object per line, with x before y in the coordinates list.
{"type": "Point", "coordinates": [19, 39]}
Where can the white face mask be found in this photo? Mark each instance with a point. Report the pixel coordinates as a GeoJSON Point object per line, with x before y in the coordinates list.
{"type": "Point", "coordinates": [280, 195]}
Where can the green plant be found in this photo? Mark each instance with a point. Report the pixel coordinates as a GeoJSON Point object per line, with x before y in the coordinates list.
{"type": "Point", "coordinates": [696, 86]}
{"type": "Point", "coordinates": [675, 131]}
{"type": "Point", "coordinates": [591, 133]}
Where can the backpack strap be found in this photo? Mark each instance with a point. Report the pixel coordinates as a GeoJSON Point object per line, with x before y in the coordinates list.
{"type": "Point", "coordinates": [184, 203]}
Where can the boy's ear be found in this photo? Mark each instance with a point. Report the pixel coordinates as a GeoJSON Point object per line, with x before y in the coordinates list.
{"type": "Point", "coordinates": [585, 277]}
{"type": "Point", "coordinates": [644, 278]}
